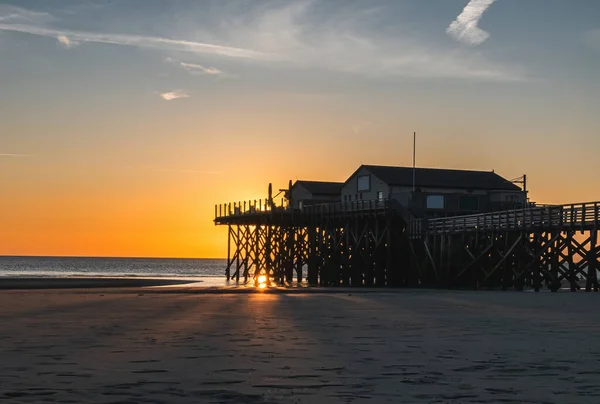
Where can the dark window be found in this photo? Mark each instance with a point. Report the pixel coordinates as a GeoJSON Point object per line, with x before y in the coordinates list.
{"type": "Point", "coordinates": [363, 183]}
{"type": "Point", "coordinates": [380, 195]}
{"type": "Point", "coordinates": [435, 201]}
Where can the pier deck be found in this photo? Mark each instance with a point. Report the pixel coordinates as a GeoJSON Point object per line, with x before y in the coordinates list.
{"type": "Point", "coordinates": [374, 243]}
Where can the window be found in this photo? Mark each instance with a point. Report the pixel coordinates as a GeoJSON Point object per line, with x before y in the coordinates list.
{"type": "Point", "coordinates": [363, 183]}
{"type": "Point", "coordinates": [435, 201]}
{"type": "Point", "coordinates": [469, 203]}
{"type": "Point", "coordinates": [380, 195]}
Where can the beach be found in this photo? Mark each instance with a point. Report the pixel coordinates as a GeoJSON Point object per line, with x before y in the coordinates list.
{"type": "Point", "coordinates": [185, 345]}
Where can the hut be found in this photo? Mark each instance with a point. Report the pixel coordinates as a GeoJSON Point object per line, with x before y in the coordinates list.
{"type": "Point", "coordinates": [434, 192]}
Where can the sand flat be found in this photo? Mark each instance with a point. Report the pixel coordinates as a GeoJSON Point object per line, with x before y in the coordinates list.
{"type": "Point", "coordinates": [125, 346]}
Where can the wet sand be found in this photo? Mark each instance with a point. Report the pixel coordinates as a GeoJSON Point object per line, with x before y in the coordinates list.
{"type": "Point", "coordinates": [143, 345]}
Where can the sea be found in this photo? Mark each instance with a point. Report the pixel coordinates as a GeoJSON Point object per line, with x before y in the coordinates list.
{"type": "Point", "coordinates": [209, 271]}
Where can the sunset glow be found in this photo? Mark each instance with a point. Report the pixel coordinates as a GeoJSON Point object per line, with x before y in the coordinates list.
{"type": "Point", "coordinates": [118, 140]}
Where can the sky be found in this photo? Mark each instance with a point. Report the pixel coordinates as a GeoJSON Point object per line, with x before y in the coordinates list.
{"type": "Point", "coordinates": [122, 123]}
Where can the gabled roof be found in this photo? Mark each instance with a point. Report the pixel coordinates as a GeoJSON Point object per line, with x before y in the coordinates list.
{"type": "Point", "coordinates": [322, 187]}
{"type": "Point", "coordinates": [441, 178]}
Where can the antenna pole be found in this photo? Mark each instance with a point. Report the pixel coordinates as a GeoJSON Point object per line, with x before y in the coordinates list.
{"type": "Point", "coordinates": [414, 158]}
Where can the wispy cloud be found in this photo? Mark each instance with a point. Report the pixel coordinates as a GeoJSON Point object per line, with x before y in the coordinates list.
{"type": "Point", "coordinates": [465, 29]}
{"type": "Point", "coordinates": [196, 68]}
{"type": "Point", "coordinates": [64, 40]}
{"type": "Point", "coordinates": [309, 35]}
{"type": "Point", "coordinates": [130, 40]}
{"type": "Point", "coordinates": [175, 94]}
{"type": "Point", "coordinates": [14, 155]}
{"type": "Point", "coordinates": [357, 41]}
{"type": "Point", "coordinates": [13, 14]}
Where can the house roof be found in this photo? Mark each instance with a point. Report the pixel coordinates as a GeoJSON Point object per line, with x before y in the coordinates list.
{"type": "Point", "coordinates": [322, 187]}
{"type": "Point", "coordinates": [441, 178]}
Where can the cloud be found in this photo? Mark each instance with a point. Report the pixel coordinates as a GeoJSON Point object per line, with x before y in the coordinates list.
{"type": "Point", "coordinates": [465, 29]}
{"type": "Point", "coordinates": [175, 94]}
{"type": "Point", "coordinates": [195, 68]}
{"type": "Point", "coordinates": [64, 40]}
{"type": "Point", "coordinates": [13, 155]}
{"type": "Point", "coordinates": [13, 14]}
{"type": "Point", "coordinates": [352, 38]}
{"type": "Point", "coordinates": [133, 40]}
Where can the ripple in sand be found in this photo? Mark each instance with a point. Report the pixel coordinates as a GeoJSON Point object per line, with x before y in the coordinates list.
{"type": "Point", "coordinates": [229, 395]}
{"type": "Point", "coordinates": [296, 386]}
{"type": "Point", "coordinates": [144, 371]}
{"type": "Point", "coordinates": [28, 393]}
{"type": "Point", "coordinates": [236, 370]}
{"type": "Point", "coordinates": [221, 382]}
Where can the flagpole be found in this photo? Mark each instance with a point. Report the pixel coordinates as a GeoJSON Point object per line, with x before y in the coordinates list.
{"type": "Point", "coordinates": [414, 158]}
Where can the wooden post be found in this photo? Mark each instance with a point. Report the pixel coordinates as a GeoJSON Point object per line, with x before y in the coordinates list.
{"type": "Point", "coordinates": [572, 273]}
{"type": "Point", "coordinates": [537, 265]}
{"type": "Point", "coordinates": [312, 276]}
{"type": "Point", "coordinates": [228, 269]}
{"type": "Point", "coordinates": [389, 262]}
{"type": "Point", "coordinates": [592, 261]}
{"type": "Point", "coordinates": [290, 253]}
{"type": "Point", "coordinates": [554, 256]}
{"type": "Point", "coordinates": [299, 252]}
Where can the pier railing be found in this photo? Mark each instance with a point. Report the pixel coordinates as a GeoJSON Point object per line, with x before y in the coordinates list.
{"type": "Point", "coordinates": [251, 207]}
{"type": "Point", "coordinates": [580, 216]}
{"type": "Point", "coordinates": [264, 207]}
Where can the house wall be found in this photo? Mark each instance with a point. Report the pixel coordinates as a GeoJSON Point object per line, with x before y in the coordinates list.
{"type": "Point", "coordinates": [454, 204]}
{"type": "Point", "coordinates": [456, 200]}
{"type": "Point", "coordinates": [507, 196]}
{"type": "Point", "coordinates": [301, 194]}
{"type": "Point", "coordinates": [350, 191]}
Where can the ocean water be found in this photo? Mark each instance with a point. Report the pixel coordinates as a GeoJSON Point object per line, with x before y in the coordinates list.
{"type": "Point", "coordinates": [119, 267]}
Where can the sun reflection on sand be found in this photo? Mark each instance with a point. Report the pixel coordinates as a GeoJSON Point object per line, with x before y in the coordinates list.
{"type": "Point", "coordinates": [262, 282]}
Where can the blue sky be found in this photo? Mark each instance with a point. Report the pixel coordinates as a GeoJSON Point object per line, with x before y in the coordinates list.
{"type": "Point", "coordinates": [387, 39]}
{"type": "Point", "coordinates": [128, 98]}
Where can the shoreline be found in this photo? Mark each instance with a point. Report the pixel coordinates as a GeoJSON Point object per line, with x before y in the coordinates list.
{"type": "Point", "coordinates": [79, 282]}
{"type": "Point", "coordinates": [214, 285]}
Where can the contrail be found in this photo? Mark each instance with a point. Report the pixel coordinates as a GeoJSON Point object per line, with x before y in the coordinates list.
{"type": "Point", "coordinates": [13, 155]}
{"type": "Point", "coordinates": [465, 29]}
{"type": "Point", "coordinates": [72, 37]}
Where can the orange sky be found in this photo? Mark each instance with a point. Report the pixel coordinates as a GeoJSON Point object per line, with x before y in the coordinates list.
{"type": "Point", "coordinates": [92, 209]}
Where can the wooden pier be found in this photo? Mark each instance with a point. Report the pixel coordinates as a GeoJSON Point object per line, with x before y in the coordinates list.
{"type": "Point", "coordinates": [377, 243]}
